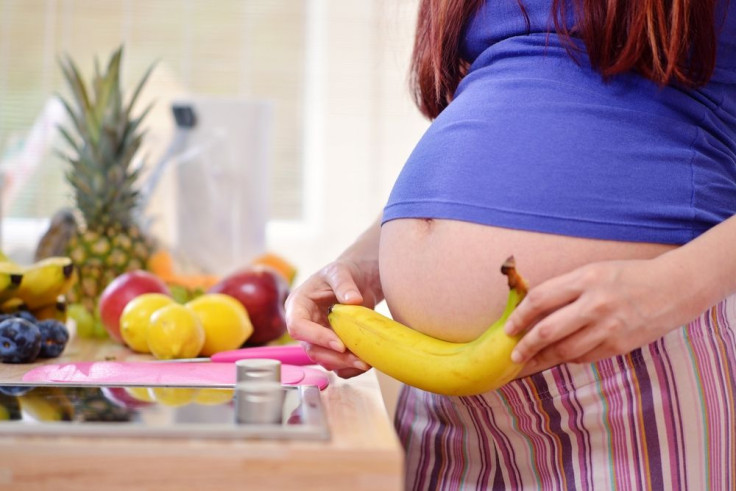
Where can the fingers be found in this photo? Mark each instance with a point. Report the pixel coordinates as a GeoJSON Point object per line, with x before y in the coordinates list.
{"type": "Point", "coordinates": [302, 328]}
{"type": "Point", "coordinates": [306, 317]}
{"type": "Point", "coordinates": [333, 360]}
{"type": "Point", "coordinates": [550, 330]}
{"type": "Point", "coordinates": [540, 301]}
{"type": "Point", "coordinates": [340, 279]}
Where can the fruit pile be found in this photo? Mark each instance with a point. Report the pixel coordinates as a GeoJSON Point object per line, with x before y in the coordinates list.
{"type": "Point", "coordinates": [154, 323]}
{"type": "Point", "coordinates": [33, 308]}
{"type": "Point", "coordinates": [134, 397]}
{"type": "Point", "coordinates": [245, 308]}
{"type": "Point", "coordinates": [99, 403]}
{"type": "Point", "coordinates": [38, 288]}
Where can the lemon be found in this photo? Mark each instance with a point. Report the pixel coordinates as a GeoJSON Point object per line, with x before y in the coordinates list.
{"type": "Point", "coordinates": [174, 396]}
{"type": "Point", "coordinates": [136, 317]}
{"type": "Point", "coordinates": [174, 331]}
{"type": "Point", "coordinates": [140, 393]}
{"type": "Point", "coordinates": [225, 321]}
{"type": "Point", "coordinates": [213, 397]}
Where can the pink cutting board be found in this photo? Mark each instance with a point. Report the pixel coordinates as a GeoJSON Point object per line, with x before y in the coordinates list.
{"type": "Point", "coordinates": [161, 373]}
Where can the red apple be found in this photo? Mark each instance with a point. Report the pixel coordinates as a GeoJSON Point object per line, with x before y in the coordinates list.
{"type": "Point", "coordinates": [262, 291]}
{"type": "Point", "coordinates": [122, 290]}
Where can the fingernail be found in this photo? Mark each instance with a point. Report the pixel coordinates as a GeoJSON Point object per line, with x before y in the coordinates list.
{"type": "Point", "coordinates": [350, 295]}
{"type": "Point", "coordinates": [516, 357]}
{"type": "Point", "coordinates": [509, 328]}
{"type": "Point", "coordinates": [361, 365]}
{"type": "Point", "coordinates": [337, 346]}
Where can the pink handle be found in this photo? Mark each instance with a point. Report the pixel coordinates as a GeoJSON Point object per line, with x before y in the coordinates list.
{"type": "Point", "coordinates": [291, 354]}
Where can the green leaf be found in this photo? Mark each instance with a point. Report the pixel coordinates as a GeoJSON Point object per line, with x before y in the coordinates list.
{"type": "Point", "coordinates": [81, 128]}
{"type": "Point", "coordinates": [70, 140]}
{"type": "Point", "coordinates": [80, 90]}
{"type": "Point", "coordinates": [139, 88]}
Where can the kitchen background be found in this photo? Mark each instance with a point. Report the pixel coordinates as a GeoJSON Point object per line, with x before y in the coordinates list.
{"type": "Point", "coordinates": [334, 73]}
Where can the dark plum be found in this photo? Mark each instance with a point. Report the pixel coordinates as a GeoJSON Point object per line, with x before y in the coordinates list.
{"type": "Point", "coordinates": [24, 314]}
{"type": "Point", "coordinates": [54, 336]}
{"type": "Point", "coordinates": [20, 341]}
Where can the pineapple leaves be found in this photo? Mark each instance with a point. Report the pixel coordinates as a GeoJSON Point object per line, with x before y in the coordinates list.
{"type": "Point", "coordinates": [138, 89]}
{"type": "Point", "coordinates": [106, 87]}
{"type": "Point", "coordinates": [81, 94]}
{"type": "Point", "coordinates": [103, 140]}
{"type": "Point", "coordinates": [79, 125]}
{"type": "Point", "coordinates": [132, 127]}
{"type": "Point", "coordinates": [70, 140]}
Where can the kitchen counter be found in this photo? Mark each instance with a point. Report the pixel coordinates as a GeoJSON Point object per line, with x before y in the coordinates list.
{"type": "Point", "coordinates": [362, 453]}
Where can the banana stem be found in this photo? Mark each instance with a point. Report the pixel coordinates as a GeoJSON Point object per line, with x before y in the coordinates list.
{"type": "Point", "coordinates": [516, 282]}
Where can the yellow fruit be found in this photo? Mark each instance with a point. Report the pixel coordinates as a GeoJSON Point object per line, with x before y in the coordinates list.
{"type": "Point", "coordinates": [175, 332]}
{"type": "Point", "coordinates": [136, 317]}
{"type": "Point", "coordinates": [428, 363]}
{"type": "Point", "coordinates": [56, 310]}
{"type": "Point", "coordinates": [213, 397]}
{"type": "Point", "coordinates": [45, 280]}
{"type": "Point", "coordinates": [225, 321]}
{"type": "Point", "coordinates": [174, 396]}
{"type": "Point", "coordinates": [140, 393]}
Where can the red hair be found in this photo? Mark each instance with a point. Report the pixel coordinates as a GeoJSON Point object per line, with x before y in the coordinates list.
{"type": "Point", "coordinates": [665, 41]}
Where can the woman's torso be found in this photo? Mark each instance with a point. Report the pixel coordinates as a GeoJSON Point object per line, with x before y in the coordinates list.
{"type": "Point", "coordinates": [538, 158]}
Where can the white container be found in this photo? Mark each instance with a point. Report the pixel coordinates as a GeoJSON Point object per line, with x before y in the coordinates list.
{"type": "Point", "coordinates": [221, 182]}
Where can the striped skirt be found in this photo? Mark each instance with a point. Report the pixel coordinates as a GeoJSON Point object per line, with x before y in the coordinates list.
{"type": "Point", "coordinates": [661, 417]}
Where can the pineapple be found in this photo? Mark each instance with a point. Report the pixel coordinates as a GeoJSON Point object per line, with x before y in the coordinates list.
{"type": "Point", "coordinates": [104, 137]}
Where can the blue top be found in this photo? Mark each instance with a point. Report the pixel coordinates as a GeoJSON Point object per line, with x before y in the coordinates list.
{"type": "Point", "coordinates": [534, 141]}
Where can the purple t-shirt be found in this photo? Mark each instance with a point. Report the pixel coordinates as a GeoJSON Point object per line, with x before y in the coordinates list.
{"type": "Point", "coordinates": [537, 141]}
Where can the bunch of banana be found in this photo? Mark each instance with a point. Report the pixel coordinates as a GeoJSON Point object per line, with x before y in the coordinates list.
{"type": "Point", "coordinates": [10, 278]}
{"type": "Point", "coordinates": [428, 363]}
{"type": "Point", "coordinates": [38, 288]}
{"type": "Point", "coordinates": [46, 404]}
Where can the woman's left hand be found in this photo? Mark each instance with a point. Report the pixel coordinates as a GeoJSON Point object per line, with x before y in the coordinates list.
{"type": "Point", "coordinates": [598, 311]}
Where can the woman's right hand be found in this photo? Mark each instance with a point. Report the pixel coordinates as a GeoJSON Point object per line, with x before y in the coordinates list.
{"type": "Point", "coordinates": [343, 281]}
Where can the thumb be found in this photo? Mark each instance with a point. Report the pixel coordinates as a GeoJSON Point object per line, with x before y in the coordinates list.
{"type": "Point", "coordinates": [342, 283]}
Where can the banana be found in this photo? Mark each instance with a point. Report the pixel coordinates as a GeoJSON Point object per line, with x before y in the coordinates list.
{"type": "Point", "coordinates": [45, 280]}
{"type": "Point", "coordinates": [56, 310]}
{"type": "Point", "coordinates": [428, 363]}
{"type": "Point", "coordinates": [46, 404]}
{"type": "Point", "coordinates": [12, 305]}
{"type": "Point", "coordinates": [11, 276]}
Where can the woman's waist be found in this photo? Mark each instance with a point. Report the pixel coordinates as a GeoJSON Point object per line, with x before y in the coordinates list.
{"type": "Point", "coordinates": [443, 277]}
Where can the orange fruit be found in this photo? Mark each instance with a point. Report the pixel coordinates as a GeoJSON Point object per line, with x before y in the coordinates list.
{"type": "Point", "coordinates": [175, 331]}
{"type": "Point", "coordinates": [161, 263]}
{"type": "Point", "coordinates": [278, 263]}
{"type": "Point", "coordinates": [136, 317]}
{"type": "Point", "coordinates": [225, 321]}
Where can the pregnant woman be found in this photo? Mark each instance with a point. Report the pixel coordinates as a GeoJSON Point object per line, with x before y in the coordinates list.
{"type": "Point", "coordinates": [596, 142]}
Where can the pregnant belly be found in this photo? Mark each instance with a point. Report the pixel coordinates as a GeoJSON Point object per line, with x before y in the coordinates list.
{"type": "Point", "coordinates": [442, 277]}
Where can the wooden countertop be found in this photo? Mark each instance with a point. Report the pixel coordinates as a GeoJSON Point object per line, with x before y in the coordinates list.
{"type": "Point", "coordinates": [363, 452]}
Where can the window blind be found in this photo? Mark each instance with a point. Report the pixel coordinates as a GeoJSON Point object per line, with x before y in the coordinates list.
{"type": "Point", "coordinates": [248, 48]}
